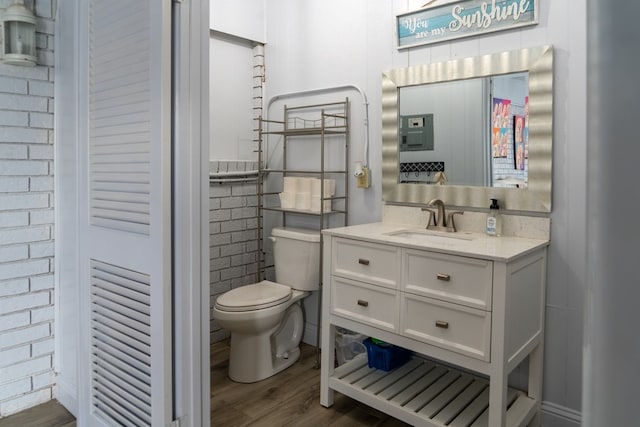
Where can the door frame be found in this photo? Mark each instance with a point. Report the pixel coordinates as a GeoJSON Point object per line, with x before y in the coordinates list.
{"type": "Point", "coordinates": [191, 213]}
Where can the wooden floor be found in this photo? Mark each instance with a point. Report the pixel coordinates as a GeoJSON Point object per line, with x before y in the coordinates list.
{"type": "Point", "coordinates": [50, 414]}
{"type": "Point", "coordinates": [291, 398]}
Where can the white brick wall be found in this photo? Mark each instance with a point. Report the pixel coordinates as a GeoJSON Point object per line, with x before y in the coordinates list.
{"type": "Point", "coordinates": [26, 224]}
{"type": "Point", "coordinates": [233, 237]}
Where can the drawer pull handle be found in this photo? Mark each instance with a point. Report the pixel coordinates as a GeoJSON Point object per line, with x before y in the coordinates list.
{"type": "Point", "coordinates": [443, 277]}
{"type": "Point", "coordinates": [363, 303]}
{"type": "Point", "coordinates": [441, 324]}
{"type": "Point", "coordinates": [363, 261]}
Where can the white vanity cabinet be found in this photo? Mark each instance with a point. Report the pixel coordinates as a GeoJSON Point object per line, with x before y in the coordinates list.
{"type": "Point", "coordinates": [470, 312]}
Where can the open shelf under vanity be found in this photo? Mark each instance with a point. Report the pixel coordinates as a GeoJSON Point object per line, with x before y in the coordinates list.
{"type": "Point", "coordinates": [422, 392]}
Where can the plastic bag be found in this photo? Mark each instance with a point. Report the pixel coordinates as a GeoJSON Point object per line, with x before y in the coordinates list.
{"type": "Point", "coordinates": [348, 345]}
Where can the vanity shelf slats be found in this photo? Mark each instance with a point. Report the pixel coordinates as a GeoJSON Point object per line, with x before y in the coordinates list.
{"type": "Point", "coordinates": [422, 392]}
{"type": "Point", "coordinates": [472, 411]}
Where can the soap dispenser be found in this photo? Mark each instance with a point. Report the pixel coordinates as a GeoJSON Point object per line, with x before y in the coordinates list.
{"type": "Point", "coordinates": [494, 224]}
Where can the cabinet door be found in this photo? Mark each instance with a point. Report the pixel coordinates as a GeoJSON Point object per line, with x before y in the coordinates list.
{"type": "Point", "coordinates": [454, 327]}
{"type": "Point", "coordinates": [366, 262]}
{"type": "Point", "coordinates": [456, 279]}
{"type": "Point", "coordinates": [373, 305]}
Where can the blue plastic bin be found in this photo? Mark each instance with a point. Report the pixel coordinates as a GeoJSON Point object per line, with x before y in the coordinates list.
{"type": "Point", "coordinates": [385, 356]}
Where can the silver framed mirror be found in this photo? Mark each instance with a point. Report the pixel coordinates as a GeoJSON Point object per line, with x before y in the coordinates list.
{"type": "Point", "coordinates": [536, 197]}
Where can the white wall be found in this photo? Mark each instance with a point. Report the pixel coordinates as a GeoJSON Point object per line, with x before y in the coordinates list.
{"type": "Point", "coordinates": [319, 44]}
{"type": "Point", "coordinates": [26, 224]}
{"type": "Point", "coordinates": [242, 19]}
{"type": "Point", "coordinates": [236, 27]}
{"type": "Point", "coordinates": [231, 121]}
{"type": "Point", "coordinates": [326, 44]}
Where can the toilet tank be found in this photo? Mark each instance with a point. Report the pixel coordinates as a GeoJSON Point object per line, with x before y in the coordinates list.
{"type": "Point", "coordinates": [296, 255]}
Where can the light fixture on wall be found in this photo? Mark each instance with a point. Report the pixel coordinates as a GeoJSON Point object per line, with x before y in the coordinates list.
{"type": "Point", "coordinates": [18, 35]}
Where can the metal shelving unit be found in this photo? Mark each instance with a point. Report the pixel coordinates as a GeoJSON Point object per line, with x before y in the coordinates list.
{"type": "Point", "coordinates": [325, 124]}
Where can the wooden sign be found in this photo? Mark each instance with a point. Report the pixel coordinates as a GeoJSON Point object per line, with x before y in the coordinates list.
{"type": "Point", "coordinates": [463, 19]}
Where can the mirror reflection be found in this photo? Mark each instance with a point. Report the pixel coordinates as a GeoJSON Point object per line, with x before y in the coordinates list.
{"type": "Point", "coordinates": [466, 132]}
{"type": "Point", "coordinates": [527, 131]}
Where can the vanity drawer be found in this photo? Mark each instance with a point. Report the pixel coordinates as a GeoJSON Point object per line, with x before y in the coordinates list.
{"type": "Point", "coordinates": [374, 305]}
{"type": "Point", "coordinates": [453, 327]}
{"type": "Point", "coordinates": [456, 279]}
{"type": "Point", "coordinates": [367, 262]}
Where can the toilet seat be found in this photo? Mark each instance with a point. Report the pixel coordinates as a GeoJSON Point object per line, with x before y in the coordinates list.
{"type": "Point", "coordinates": [254, 297]}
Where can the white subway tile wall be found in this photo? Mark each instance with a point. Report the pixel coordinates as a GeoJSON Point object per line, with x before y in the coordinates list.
{"type": "Point", "coordinates": [27, 375]}
{"type": "Point", "coordinates": [233, 235]}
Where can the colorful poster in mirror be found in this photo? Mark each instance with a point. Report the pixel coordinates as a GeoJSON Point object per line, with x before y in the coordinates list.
{"type": "Point", "coordinates": [500, 124]}
{"type": "Point", "coordinates": [518, 142]}
{"type": "Point", "coordinates": [500, 142]}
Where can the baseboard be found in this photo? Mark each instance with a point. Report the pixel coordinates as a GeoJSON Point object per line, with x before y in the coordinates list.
{"type": "Point", "coordinates": [554, 415]}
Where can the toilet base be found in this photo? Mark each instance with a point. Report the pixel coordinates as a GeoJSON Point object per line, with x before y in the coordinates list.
{"type": "Point", "coordinates": [254, 358]}
{"type": "Point", "coordinates": [260, 367]}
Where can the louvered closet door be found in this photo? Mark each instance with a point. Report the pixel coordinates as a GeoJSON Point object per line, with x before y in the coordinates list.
{"type": "Point", "coordinates": [126, 236]}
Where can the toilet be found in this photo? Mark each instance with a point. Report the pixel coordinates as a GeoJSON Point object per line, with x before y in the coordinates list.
{"type": "Point", "coordinates": [265, 319]}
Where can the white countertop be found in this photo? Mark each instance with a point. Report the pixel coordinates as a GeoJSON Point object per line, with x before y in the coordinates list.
{"type": "Point", "coordinates": [478, 245]}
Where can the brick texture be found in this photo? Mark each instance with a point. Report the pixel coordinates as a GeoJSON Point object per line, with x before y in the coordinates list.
{"type": "Point", "coordinates": [26, 224]}
{"type": "Point", "coordinates": [233, 234]}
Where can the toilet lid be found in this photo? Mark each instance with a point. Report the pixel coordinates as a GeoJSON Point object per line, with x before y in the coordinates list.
{"type": "Point", "coordinates": [254, 297]}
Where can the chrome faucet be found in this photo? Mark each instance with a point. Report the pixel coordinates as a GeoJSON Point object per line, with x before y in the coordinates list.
{"type": "Point", "coordinates": [439, 220]}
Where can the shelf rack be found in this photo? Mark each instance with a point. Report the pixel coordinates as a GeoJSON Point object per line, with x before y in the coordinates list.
{"type": "Point", "coordinates": [329, 123]}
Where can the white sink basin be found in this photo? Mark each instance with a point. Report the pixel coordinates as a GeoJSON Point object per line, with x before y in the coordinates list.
{"type": "Point", "coordinates": [430, 236]}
